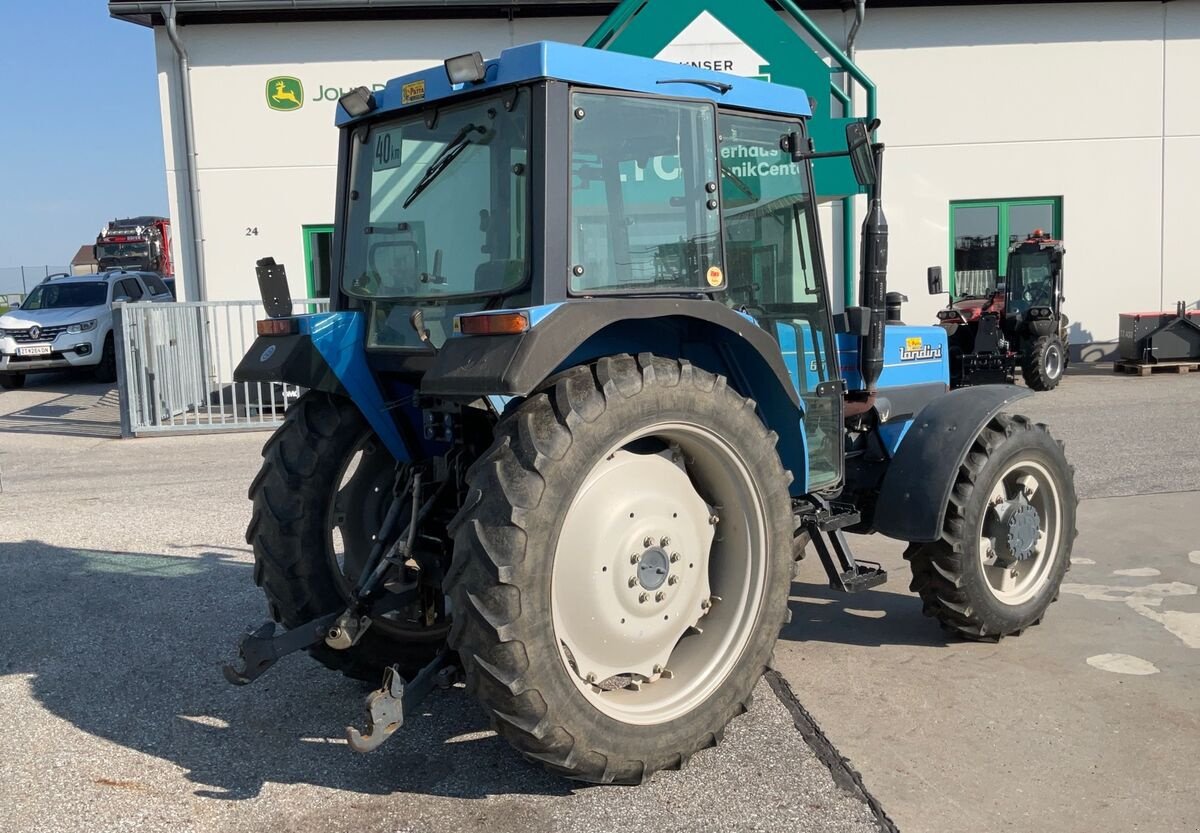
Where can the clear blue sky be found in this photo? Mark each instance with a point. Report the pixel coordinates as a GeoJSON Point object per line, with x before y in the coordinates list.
{"type": "Point", "coordinates": [81, 135]}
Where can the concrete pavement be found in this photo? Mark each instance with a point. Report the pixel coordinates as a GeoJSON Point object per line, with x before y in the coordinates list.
{"type": "Point", "coordinates": [126, 579]}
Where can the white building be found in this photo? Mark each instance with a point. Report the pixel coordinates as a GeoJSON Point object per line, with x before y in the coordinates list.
{"type": "Point", "coordinates": [1068, 116]}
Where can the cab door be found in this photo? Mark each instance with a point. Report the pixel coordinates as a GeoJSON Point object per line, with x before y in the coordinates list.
{"type": "Point", "coordinates": [776, 275]}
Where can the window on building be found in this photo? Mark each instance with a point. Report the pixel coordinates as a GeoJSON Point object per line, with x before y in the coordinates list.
{"type": "Point", "coordinates": [982, 231]}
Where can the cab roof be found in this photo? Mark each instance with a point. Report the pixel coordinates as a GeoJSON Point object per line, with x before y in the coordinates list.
{"type": "Point", "coordinates": [592, 68]}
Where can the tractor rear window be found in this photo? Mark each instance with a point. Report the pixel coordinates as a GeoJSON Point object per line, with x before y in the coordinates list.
{"type": "Point", "coordinates": [644, 211]}
{"type": "Point", "coordinates": [438, 203]}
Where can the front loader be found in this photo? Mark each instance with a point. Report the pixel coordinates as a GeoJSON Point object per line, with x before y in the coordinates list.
{"type": "Point", "coordinates": [580, 403]}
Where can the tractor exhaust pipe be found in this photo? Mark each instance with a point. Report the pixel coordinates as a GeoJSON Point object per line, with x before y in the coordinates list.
{"type": "Point", "coordinates": [873, 286]}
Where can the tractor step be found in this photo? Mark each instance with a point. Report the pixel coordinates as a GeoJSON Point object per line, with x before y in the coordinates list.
{"type": "Point", "coordinates": [867, 574]}
{"type": "Point", "coordinates": [824, 523]}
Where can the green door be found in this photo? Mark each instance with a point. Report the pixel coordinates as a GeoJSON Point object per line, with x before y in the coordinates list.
{"type": "Point", "coordinates": [318, 260]}
{"type": "Point", "coordinates": [981, 232]}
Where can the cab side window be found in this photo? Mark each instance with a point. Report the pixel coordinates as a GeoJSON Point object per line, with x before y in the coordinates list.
{"type": "Point", "coordinates": [128, 289]}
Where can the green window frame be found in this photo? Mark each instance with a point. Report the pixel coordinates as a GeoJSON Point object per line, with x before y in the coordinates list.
{"type": "Point", "coordinates": [309, 232]}
{"type": "Point", "coordinates": [1003, 208]}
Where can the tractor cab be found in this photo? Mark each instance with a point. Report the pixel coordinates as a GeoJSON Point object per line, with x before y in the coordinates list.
{"type": "Point", "coordinates": [1034, 279]}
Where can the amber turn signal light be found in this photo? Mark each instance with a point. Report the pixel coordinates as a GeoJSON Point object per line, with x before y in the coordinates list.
{"type": "Point", "coordinates": [277, 327]}
{"type": "Point", "coordinates": [495, 323]}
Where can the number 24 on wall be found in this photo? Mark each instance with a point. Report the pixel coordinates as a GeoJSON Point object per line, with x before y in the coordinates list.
{"type": "Point", "coordinates": [252, 231]}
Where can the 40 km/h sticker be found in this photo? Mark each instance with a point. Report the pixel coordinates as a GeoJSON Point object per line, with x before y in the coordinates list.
{"type": "Point", "coordinates": [715, 276]}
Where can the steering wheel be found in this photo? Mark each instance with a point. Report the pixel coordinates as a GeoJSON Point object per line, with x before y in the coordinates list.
{"type": "Point", "coordinates": [1036, 295]}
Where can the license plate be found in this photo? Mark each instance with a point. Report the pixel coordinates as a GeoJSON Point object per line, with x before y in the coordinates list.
{"type": "Point", "coordinates": [35, 350]}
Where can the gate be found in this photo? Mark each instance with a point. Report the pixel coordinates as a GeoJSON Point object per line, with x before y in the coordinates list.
{"type": "Point", "coordinates": [175, 364]}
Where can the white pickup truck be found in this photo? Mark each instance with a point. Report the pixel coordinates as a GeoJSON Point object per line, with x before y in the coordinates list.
{"type": "Point", "coordinates": [66, 322]}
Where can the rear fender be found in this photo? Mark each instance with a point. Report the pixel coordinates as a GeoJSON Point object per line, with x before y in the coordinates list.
{"type": "Point", "coordinates": [709, 335]}
{"type": "Point", "coordinates": [328, 353]}
{"type": "Point", "coordinates": [916, 488]}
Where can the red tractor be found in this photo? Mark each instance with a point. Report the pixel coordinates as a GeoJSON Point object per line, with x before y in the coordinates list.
{"type": "Point", "coordinates": [1018, 323]}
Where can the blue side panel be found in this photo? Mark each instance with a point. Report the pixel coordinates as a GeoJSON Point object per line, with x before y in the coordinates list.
{"type": "Point", "coordinates": [892, 434]}
{"type": "Point", "coordinates": [798, 345]}
{"type": "Point", "coordinates": [911, 356]}
{"type": "Point", "coordinates": [596, 68]}
{"type": "Point", "coordinates": [340, 338]}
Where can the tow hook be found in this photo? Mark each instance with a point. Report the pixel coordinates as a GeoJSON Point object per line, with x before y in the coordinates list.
{"type": "Point", "coordinates": [386, 706]}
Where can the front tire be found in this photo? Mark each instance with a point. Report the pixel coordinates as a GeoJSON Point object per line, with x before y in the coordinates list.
{"type": "Point", "coordinates": [12, 381]}
{"type": "Point", "coordinates": [1044, 364]}
{"type": "Point", "coordinates": [586, 602]}
{"type": "Point", "coordinates": [106, 371]}
{"type": "Point", "coordinates": [318, 500]}
{"type": "Point", "coordinates": [1007, 537]}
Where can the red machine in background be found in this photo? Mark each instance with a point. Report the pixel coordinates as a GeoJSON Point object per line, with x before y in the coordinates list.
{"type": "Point", "coordinates": [1018, 324]}
{"type": "Point", "coordinates": [136, 243]}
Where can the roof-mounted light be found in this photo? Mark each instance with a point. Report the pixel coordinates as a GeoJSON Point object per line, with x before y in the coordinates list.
{"type": "Point", "coordinates": [358, 102]}
{"type": "Point", "coordinates": [465, 69]}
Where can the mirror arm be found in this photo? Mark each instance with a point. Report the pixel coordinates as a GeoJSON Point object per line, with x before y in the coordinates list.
{"type": "Point", "coordinates": [800, 156]}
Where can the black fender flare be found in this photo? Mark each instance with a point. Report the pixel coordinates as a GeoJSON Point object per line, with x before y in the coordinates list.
{"type": "Point", "coordinates": [293, 359]}
{"type": "Point", "coordinates": [916, 487]}
{"type": "Point", "coordinates": [516, 365]}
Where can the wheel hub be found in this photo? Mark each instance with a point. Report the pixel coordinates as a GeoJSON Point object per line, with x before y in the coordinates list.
{"type": "Point", "coordinates": [1024, 527]}
{"type": "Point", "coordinates": [638, 567]}
{"type": "Point", "coordinates": [654, 565]}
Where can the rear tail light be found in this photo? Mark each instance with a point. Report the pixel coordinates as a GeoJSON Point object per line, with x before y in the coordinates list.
{"type": "Point", "coordinates": [493, 323]}
{"type": "Point", "coordinates": [278, 327]}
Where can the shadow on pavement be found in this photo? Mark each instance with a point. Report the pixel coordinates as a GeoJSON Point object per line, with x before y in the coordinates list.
{"type": "Point", "coordinates": [872, 617]}
{"type": "Point", "coordinates": [72, 404]}
{"type": "Point", "coordinates": [128, 647]}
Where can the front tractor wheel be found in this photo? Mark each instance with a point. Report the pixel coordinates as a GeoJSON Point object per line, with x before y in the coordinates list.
{"type": "Point", "coordinates": [1007, 538]}
{"type": "Point", "coordinates": [1044, 364]}
{"type": "Point", "coordinates": [621, 567]}
{"type": "Point", "coordinates": [319, 499]}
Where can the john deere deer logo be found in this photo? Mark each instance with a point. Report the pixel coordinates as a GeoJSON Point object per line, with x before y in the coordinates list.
{"type": "Point", "coordinates": [285, 93]}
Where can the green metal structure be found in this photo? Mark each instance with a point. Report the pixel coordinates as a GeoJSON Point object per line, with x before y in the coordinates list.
{"type": "Point", "coordinates": [647, 27]}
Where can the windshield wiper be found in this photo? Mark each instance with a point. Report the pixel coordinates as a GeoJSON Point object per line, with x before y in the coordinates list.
{"type": "Point", "coordinates": [443, 160]}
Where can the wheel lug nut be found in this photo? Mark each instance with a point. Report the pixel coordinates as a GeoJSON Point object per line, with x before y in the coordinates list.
{"type": "Point", "coordinates": [643, 597]}
{"type": "Point", "coordinates": [675, 557]}
{"type": "Point", "coordinates": [633, 581]}
{"type": "Point", "coordinates": [659, 596]}
{"type": "Point", "coordinates": [713, 520]}
{"type": "Point", "coordinates": [647, 542]}
{"type": "Point", "coordinates": [634, 558]}
{"type": "Point", "coordinates": [664, 541]}
{"type": "Point", "coordinates": [705, 605]}
{"type": "Point", "coordinates": [673, 580]}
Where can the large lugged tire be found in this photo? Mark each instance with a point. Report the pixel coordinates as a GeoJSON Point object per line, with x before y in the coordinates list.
{"type": "Point", "coordinates": [1042, 367]}
{"type": "Point", "coordinates": [305, 487]}
{"type": "Point", "coordinates": [998, 565]}
{"type": "Point", "coordinates": [591, 622]}
{"type": "Point", "coordinates": [12, 381]}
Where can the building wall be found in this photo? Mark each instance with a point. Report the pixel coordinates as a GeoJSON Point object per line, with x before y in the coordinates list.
{"type": "Point", "coordinates": [1089, 102]}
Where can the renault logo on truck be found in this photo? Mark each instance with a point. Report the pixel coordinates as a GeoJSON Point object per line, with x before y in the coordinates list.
{"type": "Point", "coordinates": [285, 93]}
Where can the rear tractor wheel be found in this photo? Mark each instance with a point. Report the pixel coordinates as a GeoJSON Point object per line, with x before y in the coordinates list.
{"type": "Point", "coordinates": [12, 381]}
{"type": "Point", "coordinates": [319, 499]}
{"type": "Point", "coordinates": [1006, 541]}
{"type": "Point", "coordinates": [621, 567]}
{"type": "Point", "coordinates": [1043, 366]}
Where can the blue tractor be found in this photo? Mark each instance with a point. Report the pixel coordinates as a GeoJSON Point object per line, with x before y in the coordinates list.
{"type": "Point", "coordinates": [581, 403]}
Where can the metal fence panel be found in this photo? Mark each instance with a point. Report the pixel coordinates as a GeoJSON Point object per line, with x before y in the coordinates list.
{"type": "Point", "coordinates": [177, 362]}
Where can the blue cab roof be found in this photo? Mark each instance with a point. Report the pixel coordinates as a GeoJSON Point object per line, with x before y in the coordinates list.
{"type": "Point", "coordinates": [592, 68]}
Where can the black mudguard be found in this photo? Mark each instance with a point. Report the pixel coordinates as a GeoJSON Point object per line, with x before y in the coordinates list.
{"type": "Point", "coordinates": [515, 365]}
{"type": "Point", "coordinates": [292, 359]}
{"type": "Point", "coordinates": [916, 488]}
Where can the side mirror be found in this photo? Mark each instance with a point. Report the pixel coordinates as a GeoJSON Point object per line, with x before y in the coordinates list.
{"type": "Point", "coordinates": [934, 276]}
{"type": "Point", "coordinates": [862, 157]}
